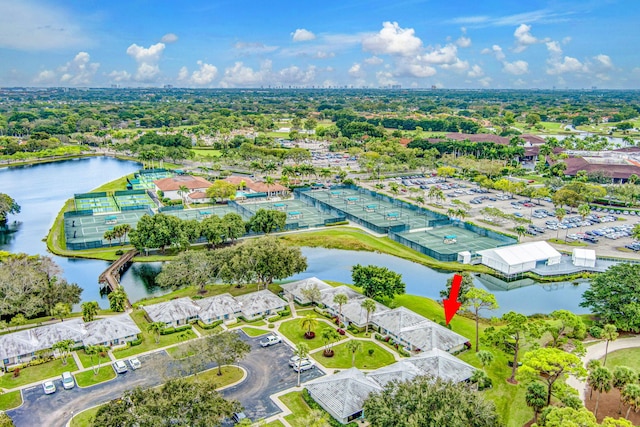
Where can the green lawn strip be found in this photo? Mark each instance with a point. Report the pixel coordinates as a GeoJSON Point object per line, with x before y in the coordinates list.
{"type": "Point", "coordinates": [85, 418]}
{"type": "Point", "coordinates": [294, 332]}
{"type": "Point", "coordinates": [303, 313]}
{"type": "Point", "coordinates": [508, 398]}
{"type": "Point", "coordinates": [298, 407]}
{"type": "Point", "coordinates": [148, 339]}
{"type": "Point", "coordinates": [88, 378]}
{"type": "Point", "coordinates": [254, 332]}
{"type": "Point", "coordinates": [275, 423]}
{"type": "Point", "coordinates": [342, 357]}
{"type": "Point", "coordinates": [85, 359]}
{"type": "Point", "coordinates": [350, 238]}
{"type": "Point", "coordinates": [10, 400]}
{"type": "Point", "coordinates": [207, 331]}
{"type": "Point", "coordinates": [568, 243]}
{"type": "Point", "coordinates": [38, 373]}
{"type": "Point", "coordinates": [626, 357]}
{"type": "Point", "coordinates": [179, 352]}
{"type": "Point", "coordinates": [230, 375]}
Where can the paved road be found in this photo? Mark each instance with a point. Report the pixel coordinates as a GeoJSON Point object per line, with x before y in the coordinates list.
{"type": "Point", "coordinates": [596, 351]}
{"type": "Point", "coordinates": [267, 368]}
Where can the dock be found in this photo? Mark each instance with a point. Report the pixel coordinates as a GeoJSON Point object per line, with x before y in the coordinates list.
{"type": "Point", "coordinates": [111, 276]}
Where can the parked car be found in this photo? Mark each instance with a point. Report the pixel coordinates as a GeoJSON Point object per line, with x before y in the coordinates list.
{"type": "Point", "coordinates": [134, 362]}
{"type": "Point", "coordinates": [49, 387]}
{"type": "Point", "coordinates": [270, 340]}
{"type": "Point", "coordinates": [305, 365]}
{"type": "Point", "coordinates": [67, 380]}
{"type": "Point", "coordinates": [238, 416]}
{"type": "Point", "coordinates": [120, 367]}
{"type": "Point", "coordinates": [294, 360]}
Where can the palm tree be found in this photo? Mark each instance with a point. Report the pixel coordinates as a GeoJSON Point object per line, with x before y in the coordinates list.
{"type": "Point", "coordinates": [183, 191]}
{"type": "Point", "coordinates": [584, 210]}
{"type": "Point", "coordinates": [623, 375]}
{"type": "Point", "coordinates": [308, 322]}
{"type": "Point", "coordinates": [117, 300]}
{"type": "Point", "coordinates": [536, 398]}
{"type": "Point", "coordinates": [121, 231]}
{"type": "Point", "coordinates": [89, 310]}
{"type": "Point", "coordinates": [485, 357]}
{"type": "Point", "coordinates": [99, 351]}
{"type": "Point", "coordinates": [600, 380]}
{"type": "Point", "coordinates": [302, 351]}
{"type": "Point", "coordinates": [370, 306]}
{"type": "Point", "coordinates": [631, 396]}
{"type": "Point", "coordinates": [65, 348]}
{"type": "Point", "coordinates": [329, 336]}
{"type": "Point", "coordinates": [340, 299]}
{"type": "Point", "coordinates": [109, 235]}
{"type": "Point", "coordinates": [156, 328]}
{"type": "Point", "coordinates": [420, 200]}
{"type": "Point", "coordinates": [269, 181]}
{"type": "Point", "coordinates": [560, 214]}
{"type": "Point", "coordinates": [520, 231]}
{"type": "Point", "coordinates": [610, 333]}
{"type": "Point", "coordinates": [354, 346]}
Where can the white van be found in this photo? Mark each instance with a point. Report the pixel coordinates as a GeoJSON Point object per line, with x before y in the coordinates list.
{"type": "Point", "coordinates": [67, 380]}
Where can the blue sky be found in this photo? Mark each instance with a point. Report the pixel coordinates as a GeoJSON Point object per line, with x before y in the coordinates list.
{"type": "Point", "coordinates": [258, 43]}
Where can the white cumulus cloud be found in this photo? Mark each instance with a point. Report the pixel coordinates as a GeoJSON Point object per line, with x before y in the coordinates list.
{"type": "Point", "coordinates": [524, 38]}
{"type": "Point", "coordinates": [169, 38]}
{"type": "Point", "coordinates": [356, 70]}
{"type": "Point", "coordinates": [558, 64]}
{"type": "Point", "coordinates": [393, 40]}
{"type": "Point", "coordinates": [374, 60]}
{"type": "Point", "coordinates": [495, 50]}
{"type": "Point", "coordinates": [77, 72]}
{"type": "Point", "coordinates": [147, 59]}
{"type": "Point", "coordinates": [302, 35]}
{"type": "Point", "coordinates": [516, 68]}
{"type": "Point", "coordinates": [119, 76]}
{"type": "Point", "coordinates": [475, 72]}
{"type": "Point", "coordinates": [463, 41]}
{"type": "Point", "coordinates": [203, 76]}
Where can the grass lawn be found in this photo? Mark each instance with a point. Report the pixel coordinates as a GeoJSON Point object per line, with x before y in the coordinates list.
{"type": "Point", "coordinates": [313, 313]}
{"type": "Point", "coordinates": [38, 373]}
{"type": "Point", "coordinates": [626, 357]}
{"type": "Point", "coordinates": [294, 332]}
{"type": "Point", "coordinates": [342, 357]}
{"type": "Point", "coordinates": [298, 406]}
{"type": "Point", "coordinates": [87, 378]}
{"type": "Point", "coordinates": [207, 331]}
{"type": "Point", "coordinates": [230, 375]}
{"type": "Point", "coordinates": [254, 332]}
{"type": "Point", "coordinates": [10, 400]}
{"type": "Point", "coordinates": [148, 339]}
{"type": "Point", "coordinates": [85, 418]}
{"type": "Point", "coordinates": [350, 238]}
{"type": "Point", "coordinates": [568, 243]}
{"type": "Point", "coordinates": [179, 352]}
{"type": "Point", "coordinates": [275, 423]}
{"type": "Point", "coordinates": [201, 152]}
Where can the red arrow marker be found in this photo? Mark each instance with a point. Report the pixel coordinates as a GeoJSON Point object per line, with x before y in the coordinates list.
{"type": "Point", "coordinates": [452, 305]}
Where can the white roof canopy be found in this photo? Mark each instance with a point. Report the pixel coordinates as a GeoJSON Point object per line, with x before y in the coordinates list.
{"type": "Point", "coordinates": [524, 253]}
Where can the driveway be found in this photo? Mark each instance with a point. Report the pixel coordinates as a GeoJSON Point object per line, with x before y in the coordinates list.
{"type": "Point", "coordinates": [267, 368]}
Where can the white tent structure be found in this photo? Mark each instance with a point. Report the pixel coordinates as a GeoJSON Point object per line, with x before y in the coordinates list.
{"type": "Point", "coordinates": [520, 258]}
{"type": "Point", "coordinates": [583, 257]}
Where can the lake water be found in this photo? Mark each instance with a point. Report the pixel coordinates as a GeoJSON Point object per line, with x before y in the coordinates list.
{"type": "Point", "coordinates": [41, 190]}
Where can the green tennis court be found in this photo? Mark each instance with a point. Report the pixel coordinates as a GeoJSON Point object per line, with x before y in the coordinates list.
{"type": "Point", "coordinates": [298, 212]}
{"type": "Point", "coordinates": [96, 204]}
{"type": "Point", "coordinates": [87, 231]}
{"type": "Point", "coordinates": [451, 240]}
{"type": "Point", "coordinates": [202, 213]}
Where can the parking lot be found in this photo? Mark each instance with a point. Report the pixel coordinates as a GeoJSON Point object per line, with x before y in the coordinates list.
{"type": "Point", "coordinates": [606, 230]}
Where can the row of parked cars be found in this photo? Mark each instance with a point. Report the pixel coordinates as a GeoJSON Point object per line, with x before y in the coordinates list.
{"type": "Point", "coordinates": [68, 382]}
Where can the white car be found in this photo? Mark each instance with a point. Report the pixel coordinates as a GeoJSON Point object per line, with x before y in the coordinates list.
{"type": "Point", "coordinates": [304, 366]}
{"type": "Point", "coordinates": [134, 362]}
{"type": "Point", "coordinates": [67, 381]}
{"type": "Point", "coordinates": [49, 387]}
{"type": "Point", "coordinates": [270, 340]}
{"type": "Point", "coordinates": [294, 360]}
{"type": "Point", "coordinates": [120, 367]}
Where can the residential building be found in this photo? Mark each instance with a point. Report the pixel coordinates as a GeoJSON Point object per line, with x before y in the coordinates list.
{"type": "Point", "coordinates": [261, 303]}
{"type": "Point", "coordinates": [248, 185]}
{"type": "Point", "coordinates": [175, 312]}
{"type": "Point", "coordinates": [220, 307]}
{"type": "Point", "coordinates": [295, 290]}
{"type": "Point", "coordinates": [171, 186]}
{"type": "Point", "coordinates": [111, 330]}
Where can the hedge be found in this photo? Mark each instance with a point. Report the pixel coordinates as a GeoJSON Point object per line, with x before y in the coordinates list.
{"type": "Point", "coordinates": [136, 342]}
{"type": "Point", "coordinates": [314, 405]}
{"type": "Point", "coordinates": [209, 325]}
{"type": "Point", "coordinates": [172, 330]}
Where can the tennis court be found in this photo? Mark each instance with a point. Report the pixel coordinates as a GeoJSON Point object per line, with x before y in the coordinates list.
{"type": "Point", "coordinates": [365, 206]}
{"type": "Point", "coordinates": [143, 180]}
{"type": "Point", "coordinates": [101, 203]}
{"type": "Point", "coordinates": [132, 201]}
{"type": "Point", "coordinates": [202, 213]}
{"type": "Point", "coordinates": [87, 231]}
{"type": "Point", "coordinates": [297, 212]}
{"type": "Point", "coordinates": [451, 240]}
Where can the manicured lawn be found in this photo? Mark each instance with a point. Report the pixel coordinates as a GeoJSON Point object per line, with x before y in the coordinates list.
{"type": "Point", "coordinates": [275, 423]}
{"type": "Point", "coordinates": [342, 357]}
{"type": "Point", "coordinates": [627, 357]}
{"type": "Point", "coordinates": [254, 332]}
{"type": "Point", "coordinates": [230, 375]}
{"type": "Point", "coordinates": [148, 339]}
{"type": "Point", "coordinates": [298, 406]}
{"type": "Point", "coordinates": [38, 373]}
{"type": "Point", "coordinates": [10, 400]}
{"type": "Point", "coordinates": [85, 418]}
{"type": "Point", "coordinates": [206, 153]}
{"type": "Point", "coordinates": [179, 352]}
{"type": "Point", "coordinates": [207, 331]}
{"type": "Point", "coordinates": [311, 312]}
{"type": "Point", "coordinates": [294, 332]}
{"type": "Point", "coordinates": [85, 359]}
{"type": "Point", "coordinates": [87, 378]}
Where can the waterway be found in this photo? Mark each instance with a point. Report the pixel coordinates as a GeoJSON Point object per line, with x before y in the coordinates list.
{"type": "Point", "coordinates": [41, 190]}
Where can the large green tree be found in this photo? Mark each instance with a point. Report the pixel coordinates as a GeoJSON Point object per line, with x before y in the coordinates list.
{"type": "Point", "coordinates": [478, 299]}
{"type": "Point", "coordinates": [614, 296]}
{"type": "Point", "coordinates": [221, 190]}
{"type": "Point", "coordinates": [223, 348]}
{"type": "Point", "coordinates": [158, 231]}
{"type": "Point", "coordinates": [267, 221]}
{"type": "Point", "coordinates": [377, 282]}
{"type": "Point", "coordinates": [424, 401]}
{"type": "Point", "coordinates": [7, 206]}
{"type": "Point", "coordinates": [271, 259]}
{"type": "Point", "coordinates": [465, 286]}
{"type": "Point", "coordinates": [191, 268]}
{"type": "Point", "coordinates": [179, 402]}
{"type": "Point", "coordinates": [550, 365]}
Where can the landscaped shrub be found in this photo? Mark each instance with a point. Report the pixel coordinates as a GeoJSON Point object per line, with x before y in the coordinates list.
{"type": "Point", "coordinates": [134, 343]}
{"type": "Point", "coordinates": [404, 352]}
{"type": "Point", "coordinates": [16, 372]}
{"type": "Point", "coordinates": [119, 252]}
{"type": "Point", "coordinates": [196, 297]}
{"type": "Point", "coordinates": [209, 325]}
{"type": "Point", "coordinates": [271, 326]}
{"type": "Point", "coordinates": [182, 328]}
{"type": "Point", "coordinates": [337, 223]}
{"type": "Point", "coordinates": [168, 331]}
{"type": "Point", "coordinates": [596, 331]}
{"type": "Point", "coordinates": [321, 311]}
